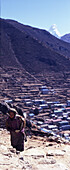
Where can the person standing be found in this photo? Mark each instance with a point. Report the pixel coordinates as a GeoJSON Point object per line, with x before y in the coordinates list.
{"type": "Point", "coordinates": [16, 125]}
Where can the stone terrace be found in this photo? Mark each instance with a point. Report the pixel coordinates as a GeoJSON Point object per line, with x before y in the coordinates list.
{"type": "Point", "coordinates": [16, 83]}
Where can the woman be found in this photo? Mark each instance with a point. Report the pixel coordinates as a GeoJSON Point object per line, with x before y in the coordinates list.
{"type": "Point", "coordinates": [16, 125]}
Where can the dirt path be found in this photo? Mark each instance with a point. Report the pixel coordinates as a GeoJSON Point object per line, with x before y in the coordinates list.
{"type": "Point", "coordinates": [39, 154]}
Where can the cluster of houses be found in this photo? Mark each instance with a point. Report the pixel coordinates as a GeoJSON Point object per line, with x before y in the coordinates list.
{"type": "Point", "coordinates": [51, 117]}
{"type": "Point", "coordinates": [47, 107]}
{"type": "Point", "coordinates": [47, 116]}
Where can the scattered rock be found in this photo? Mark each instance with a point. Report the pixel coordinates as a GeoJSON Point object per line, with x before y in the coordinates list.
{"type": "Point", "coordinates": [55, 153]}
{"type": "Point", "coordinates": [13, 150]}
{"type": "Point", "coordinates": [52, 161]}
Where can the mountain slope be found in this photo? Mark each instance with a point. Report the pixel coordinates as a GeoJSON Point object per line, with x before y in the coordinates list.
{"type": "Point", "coordinates": [66, 38]}
{"type": "Point", "coordinates": [44, 37]}
{"type": "Point", "coordinates": [27, 48]}
{"type": "Point", "coordinates": [7, 55]}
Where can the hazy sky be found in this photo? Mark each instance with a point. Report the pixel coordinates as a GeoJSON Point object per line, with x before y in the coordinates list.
{"type": "Point", "coordinates": [38, 13]}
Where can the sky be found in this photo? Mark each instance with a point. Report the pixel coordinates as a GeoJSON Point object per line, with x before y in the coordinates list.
{"type": "Point", "coordinates": [38, 13]}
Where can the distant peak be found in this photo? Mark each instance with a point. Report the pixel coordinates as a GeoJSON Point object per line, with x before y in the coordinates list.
{"type": "Point", "coordinates": [54, 31]}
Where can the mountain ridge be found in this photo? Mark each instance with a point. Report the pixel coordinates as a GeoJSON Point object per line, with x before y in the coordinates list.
{"type": "Point", "coordinates": [66, 38]}
{"type": "Point", "coordinates": [32, 48]}
{"type": "Point", "coordinates": [44, 37]}
{"type": "Point", "coordinates": [54, 31]}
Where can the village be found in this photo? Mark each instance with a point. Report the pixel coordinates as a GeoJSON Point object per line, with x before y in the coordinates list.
{"type": "Point", "coordinates": [49, 117]}
{"type": "Point", "coordinates": [45, 107]}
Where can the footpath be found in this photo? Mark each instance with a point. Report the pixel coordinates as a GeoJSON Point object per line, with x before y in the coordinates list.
{"type": "Point", "coordinates": [39, 154]}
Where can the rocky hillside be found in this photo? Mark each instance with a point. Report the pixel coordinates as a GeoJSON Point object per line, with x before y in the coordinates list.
{"type": "Point", "coordinates": [34, 49]}
{"type": "Point", "coordinates": [39, 154]}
